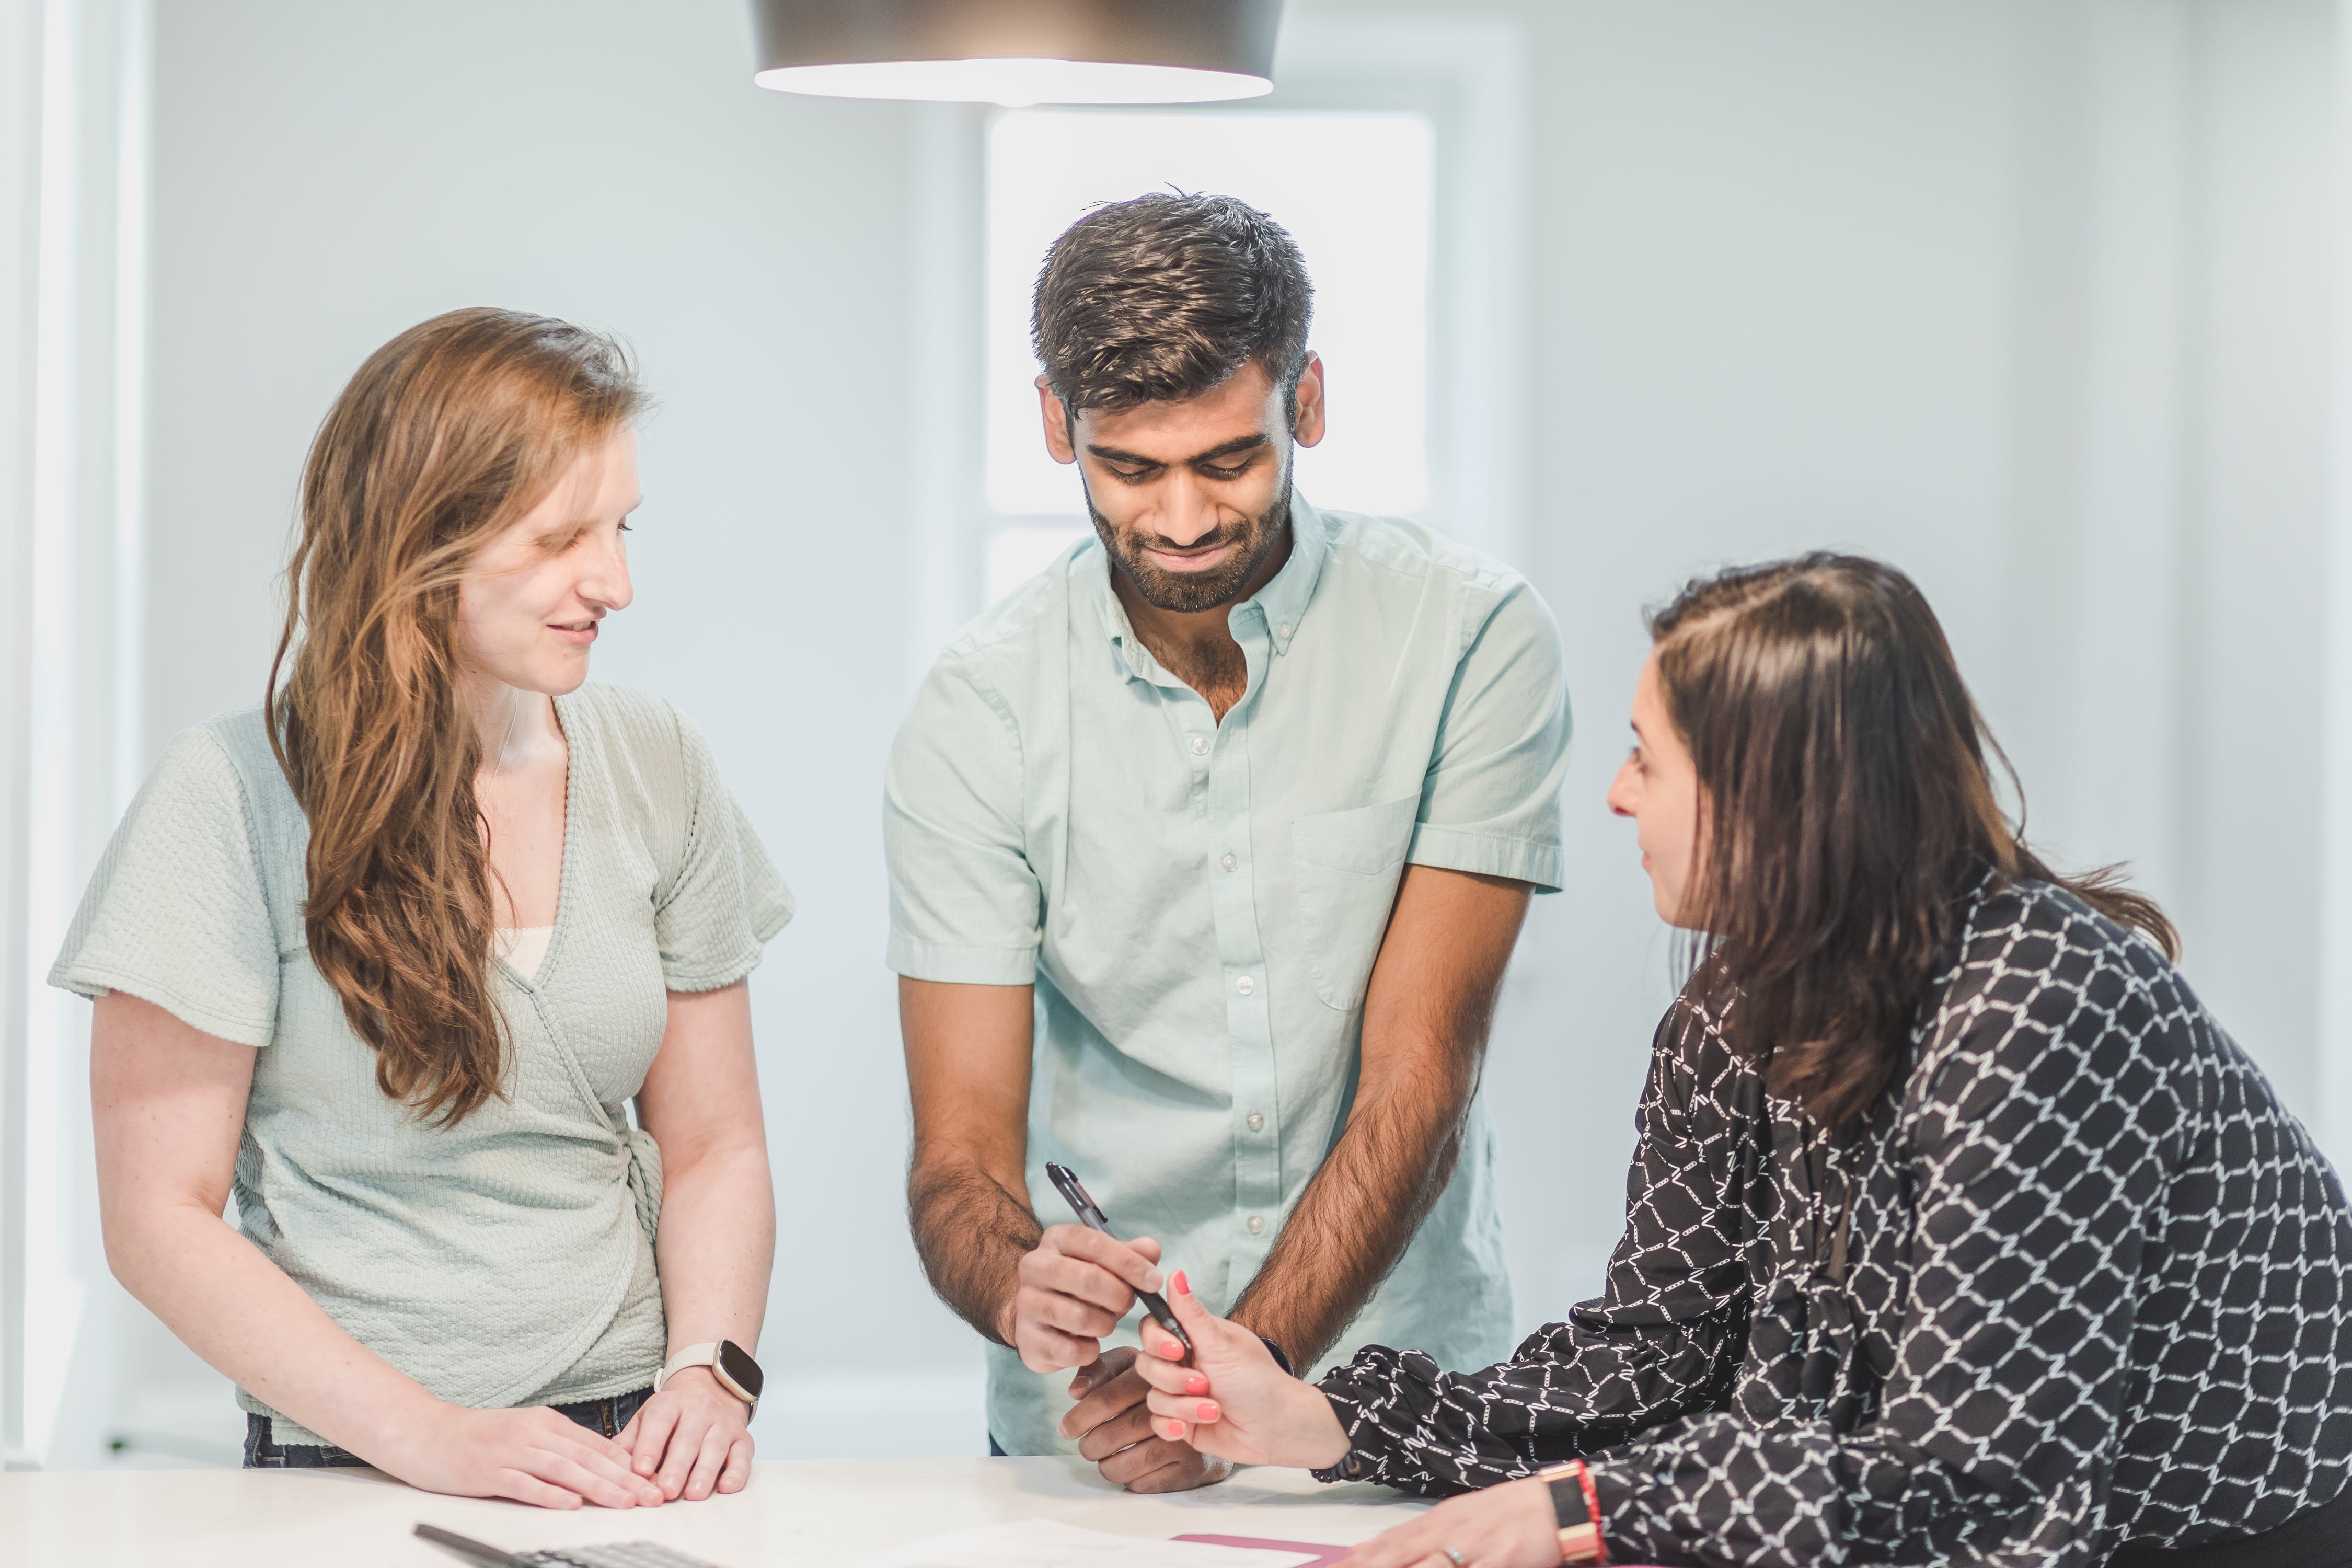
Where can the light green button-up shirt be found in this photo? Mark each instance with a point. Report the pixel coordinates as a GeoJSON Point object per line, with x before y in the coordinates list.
{"type": "Point", "coordinates": [1200, 903]}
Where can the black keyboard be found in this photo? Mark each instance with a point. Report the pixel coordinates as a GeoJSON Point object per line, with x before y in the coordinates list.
{"type": "Point", "coordinates": [620, 1554]}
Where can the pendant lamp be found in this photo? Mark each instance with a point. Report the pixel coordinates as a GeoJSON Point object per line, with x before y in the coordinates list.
{"type": "Point", "coordinates": [1019, 52]}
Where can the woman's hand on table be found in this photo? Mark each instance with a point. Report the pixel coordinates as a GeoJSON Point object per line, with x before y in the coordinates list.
{"type": "Point", "coordinates": [1232, 1400]}
{"type": "Point", "coordinates": [531, 1454]}
{"type": "Point", "coordinates": [1508, 1526]}
{"type": "Point", "coordinates": [691, 1438]}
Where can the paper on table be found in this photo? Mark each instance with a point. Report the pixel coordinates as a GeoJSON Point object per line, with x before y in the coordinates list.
{"type": "Point", "coordinates": [1049, 1543]}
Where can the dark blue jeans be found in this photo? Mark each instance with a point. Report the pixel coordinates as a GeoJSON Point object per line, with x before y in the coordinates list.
{"type": "Point", "coordinates": [264, 1453]}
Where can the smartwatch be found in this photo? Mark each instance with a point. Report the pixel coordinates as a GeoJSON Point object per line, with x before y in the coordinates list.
{"type": "Point", "coordinates": [1576, 1509]}
{"type": "Point", "coordinates": [729, 1362]}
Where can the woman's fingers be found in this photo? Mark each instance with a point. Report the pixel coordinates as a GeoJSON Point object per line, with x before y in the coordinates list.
{"type": "Point", "coordinates": [1397, 1547]}
{"type": "Point", "coordinates": [524, 1486]}
{"type": "Point", "coordinates": [737, 1473]}
{"type": "Point", "coordinates": [1186, 1409]}
{"type": "Point", "coordinates": [707, 1463]}
{"type": "Point", "coordinates": [598, 1456]}
{"type": "Point", "coordinates": [1190, 1313]}
{"type": "Point", "coordinates": [552, 1429]}
{"type": "Point", "coordinates": [685, 1447]}
{"type": "Point", "coordinates": [1167, 1376]}
{"type": "Point", "coordinates": [647, 1436]}
{"type": "Point", "coordinates": [574, 1475]}
{"type": "Point", "coordinates": [1175, 1431]}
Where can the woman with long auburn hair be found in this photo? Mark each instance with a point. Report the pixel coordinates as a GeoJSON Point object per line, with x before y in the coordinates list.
{"type": "Point", "coordinates": [1957, 1231]}
{"type": "Point", "coordinates": [388, 957]}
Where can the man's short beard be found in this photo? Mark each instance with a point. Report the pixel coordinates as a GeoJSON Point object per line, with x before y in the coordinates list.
{"type": "Point", "coordinates": [1190, 592]}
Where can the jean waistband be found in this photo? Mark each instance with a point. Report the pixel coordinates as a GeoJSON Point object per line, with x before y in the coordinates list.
{"type": "Point", "coordinates": [263, 1452]}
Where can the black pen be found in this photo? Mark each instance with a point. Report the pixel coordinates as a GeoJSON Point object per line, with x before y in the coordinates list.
{"type": "Point", "coordinates": [1066, 1182]}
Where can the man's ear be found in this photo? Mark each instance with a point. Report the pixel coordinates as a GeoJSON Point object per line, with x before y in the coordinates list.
{"type": "Point", "coordinates": [1057, 423]}
{"type": "Point", "coordinates": [1306, 429]}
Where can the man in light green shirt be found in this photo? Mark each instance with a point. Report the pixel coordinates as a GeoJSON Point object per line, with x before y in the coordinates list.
{"type": "Point", "coordinates": [1207, 849]}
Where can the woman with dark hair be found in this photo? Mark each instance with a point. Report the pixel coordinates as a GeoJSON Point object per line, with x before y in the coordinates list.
{"type": "Point", "coordinates": [1957, 1231]}
{"type": "Point", "coordinates": [387, 957]}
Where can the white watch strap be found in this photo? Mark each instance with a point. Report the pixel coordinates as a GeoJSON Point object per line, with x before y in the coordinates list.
{"type": "Point", "coordinates": [703, 1354]}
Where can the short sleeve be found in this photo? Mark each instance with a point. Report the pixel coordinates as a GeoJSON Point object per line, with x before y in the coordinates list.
{"type": "Point", "coordinates": [964, 900]}
{"type": "Point", "coordinates": [176, 912]}
{"type": "Point", "coordinates": [725, 901]}
{"type": "Point", "coordinates": [1490, 801]}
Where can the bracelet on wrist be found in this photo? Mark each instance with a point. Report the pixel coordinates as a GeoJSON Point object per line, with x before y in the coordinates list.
{"type": "Point", "coordinates": [1576, 1510]}
{"type": "Point", "coordinates": [1350, 1465]}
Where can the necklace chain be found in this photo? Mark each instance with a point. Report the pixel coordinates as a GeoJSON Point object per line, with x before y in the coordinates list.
{"type": "Point", "coordinates": [514, 712]}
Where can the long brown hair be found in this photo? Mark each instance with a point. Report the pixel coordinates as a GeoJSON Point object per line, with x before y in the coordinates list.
{"type": "Point", "coordinates": [1847, 814]}
{"type": "Point", "coordinates": [448, 433]}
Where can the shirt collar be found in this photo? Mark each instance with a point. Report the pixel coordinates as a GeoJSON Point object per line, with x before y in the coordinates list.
{"type": "Point", "coordinates": [1281, 603]}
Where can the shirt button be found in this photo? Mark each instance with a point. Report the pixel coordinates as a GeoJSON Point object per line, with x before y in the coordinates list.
{"type": "Point", "coordinates": [1200, 745]}
{"type": "Point", "coordinates": [1283, 630]}
{"type": "Point", "coordinates": [1256, 1222]}
{"type": "Point", "coordinates": [1244, 985]}
{"type": "Point", "coordinates": [1256, 1121]}
{"type": "Point", "coordinates": [1227, 860]}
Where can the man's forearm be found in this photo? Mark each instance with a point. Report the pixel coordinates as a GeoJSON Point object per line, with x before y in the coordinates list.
{"type": "Point", "coordinates": [1357, 1215]}
{"type": "Point", "coordinates": [1426, 1017]}
{"type": "Point", "coordinates": [971, 1233]}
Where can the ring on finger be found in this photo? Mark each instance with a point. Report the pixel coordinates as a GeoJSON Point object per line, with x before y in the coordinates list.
{"type": "Point", "coordinates": [1454, 1557]}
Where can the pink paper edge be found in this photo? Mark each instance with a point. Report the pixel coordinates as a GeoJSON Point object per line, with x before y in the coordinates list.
{"type": "Point", "coordinates": [1325, 1555]}
{"type": "Point", "coordinates": [1329, 1553]}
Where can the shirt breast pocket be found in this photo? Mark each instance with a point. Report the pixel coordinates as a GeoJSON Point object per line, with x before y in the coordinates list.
{"type": "Point", "coordinates": [1348, 865]}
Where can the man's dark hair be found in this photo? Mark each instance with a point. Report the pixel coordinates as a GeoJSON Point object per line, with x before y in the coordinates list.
{"type": "Point", "coordinates": [1166, 297]}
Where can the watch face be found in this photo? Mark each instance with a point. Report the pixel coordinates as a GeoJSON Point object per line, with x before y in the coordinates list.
{"type": "Point", "coordinates": [739, 1366]}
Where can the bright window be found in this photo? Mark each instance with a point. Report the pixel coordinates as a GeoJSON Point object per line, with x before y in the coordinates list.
{"type": "Point", "coordinates": [1352, 189]}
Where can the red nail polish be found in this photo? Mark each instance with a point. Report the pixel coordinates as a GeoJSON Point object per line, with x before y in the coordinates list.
{"type": "Point", "coordinates": [1196, 1386]}
{"type": "Point", "coordinates": [1181, 1288]}
{"type": "Point", "coordinates": [1208, 1410]}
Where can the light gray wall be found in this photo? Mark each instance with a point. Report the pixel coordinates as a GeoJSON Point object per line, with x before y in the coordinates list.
{"type": "Point", "coordinates": [2029, 299]}
{"type": "Point", "coordinates": [2021, 294]}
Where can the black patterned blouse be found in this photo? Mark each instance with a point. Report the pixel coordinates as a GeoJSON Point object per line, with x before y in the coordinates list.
{"type": "Point", "coordinates": [2076, 1281]}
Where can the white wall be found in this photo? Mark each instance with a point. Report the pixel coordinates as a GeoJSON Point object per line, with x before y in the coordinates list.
{"type": "Point", "coordinates": [2032, 299]}
{"type": "Point", "coordinates": [71, 182]}
{"type": "Point", "coordinates": [2030, 296]}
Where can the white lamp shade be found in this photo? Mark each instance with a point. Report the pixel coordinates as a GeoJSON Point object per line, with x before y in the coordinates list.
{"type": "Point", "coordinates": [1020, 51]}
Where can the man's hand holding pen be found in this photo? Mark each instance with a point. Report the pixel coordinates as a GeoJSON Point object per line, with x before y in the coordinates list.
{"type": "Point", "coordinates": [1073, 1288]}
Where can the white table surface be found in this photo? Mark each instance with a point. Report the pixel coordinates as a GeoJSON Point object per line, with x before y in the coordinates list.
{"type": "Point", "coordinates": [812, 1512]}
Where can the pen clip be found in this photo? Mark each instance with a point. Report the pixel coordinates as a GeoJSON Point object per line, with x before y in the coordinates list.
{"type": "Point", "coordinates": [1074, 1193]}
